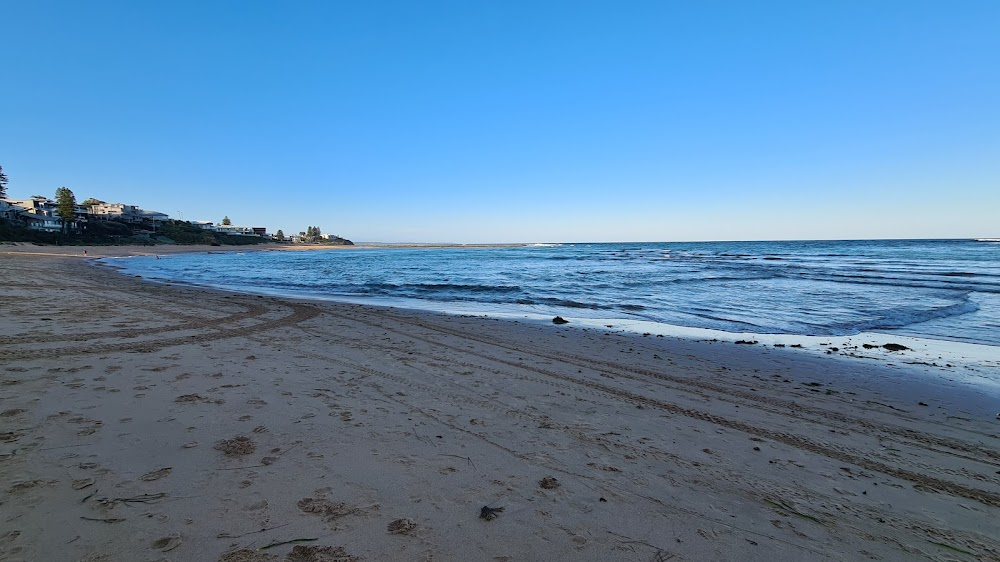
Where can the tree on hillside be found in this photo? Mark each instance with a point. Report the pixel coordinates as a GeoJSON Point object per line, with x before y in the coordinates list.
{"type": "Point", "coordinates": [226, 221]}
{"type": "Point", "coordinates": [312, 233]}
{"type": "Point", "coordinates": [3, 184]}
{"type": "Point", "coordinates": [66, 206]}
{"type": "Point", "coordinates": [280, 235]}
{"type": "Point", "coordinates": [92, 201]}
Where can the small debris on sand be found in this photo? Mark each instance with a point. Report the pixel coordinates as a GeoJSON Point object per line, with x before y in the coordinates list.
{"type": "Point", "coordinates": [747, 342]}
{"type": "Point", "coordinates": [490, 513]}
{"type": "Point", "coordinates": [237, 446]}
{"type": "Point", "coordinates": [560, 320]}
{"type": "Point", "coordinates": [401, 526]}
{"type": "Point", "coordinates": [549, 483]}
{"type": "Point", "coordinates": [895, 347]}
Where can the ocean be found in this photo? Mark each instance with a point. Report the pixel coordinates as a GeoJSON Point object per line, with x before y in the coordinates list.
{"type": "Point", "coordinates": [935, 289]}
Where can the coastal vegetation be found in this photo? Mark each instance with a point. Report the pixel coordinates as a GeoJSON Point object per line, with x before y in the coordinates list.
{"type": "Point", "coordinates": [66, 207]}
{"type": "Point", "coordinates": [112, 232]}
{"type": "Point", "coordinates": [63, 221]}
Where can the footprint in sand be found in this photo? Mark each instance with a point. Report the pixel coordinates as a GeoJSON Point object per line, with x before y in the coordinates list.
{"type": "Point", "coordinates": [9, 437]}
{"type": "Point", "coordinates": [303, 553]}
{"type": "Point", "coordinates": [328, 510]}
{"type": "Point", "coordinates": [259, 506]}
{"type": "Point", "coordinates": [237, 446]}
{"type": "Point", "coordinates": [167, 543]}
{"type": "Point", "coordinates": [83, 483]}
{"type": "Point", "coordinates": [23, 485]}
{"type": "Point", "coordinates": [247, 555]}
{"type": "Point", "coordinates": [156, 474]}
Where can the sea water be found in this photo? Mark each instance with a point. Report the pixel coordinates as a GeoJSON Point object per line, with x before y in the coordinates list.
{"type": "Point", "coordinates": [938, 289]}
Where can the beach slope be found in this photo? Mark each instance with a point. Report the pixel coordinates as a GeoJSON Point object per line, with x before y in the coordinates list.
{"type": "Point", "coordinates": [145, 421]}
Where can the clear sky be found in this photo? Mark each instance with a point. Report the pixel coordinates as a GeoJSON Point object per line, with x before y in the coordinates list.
{"type": "Point", "coordinates": [507, 121]}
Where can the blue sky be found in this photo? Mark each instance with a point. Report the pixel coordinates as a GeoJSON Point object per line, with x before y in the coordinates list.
{"type": "Point", "coordinates": [512, 121]}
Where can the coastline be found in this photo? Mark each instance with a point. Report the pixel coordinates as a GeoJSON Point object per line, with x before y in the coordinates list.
{"type": "Point", "coordinates": [28, 248]}
{"type": "Point", "coordinates": [938, 360]}
{"type": "Point", "coordinates": [700, 449]}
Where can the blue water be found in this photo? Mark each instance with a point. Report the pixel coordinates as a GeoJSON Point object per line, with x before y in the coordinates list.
{"type": "Point", "coordinates": [939, 289]}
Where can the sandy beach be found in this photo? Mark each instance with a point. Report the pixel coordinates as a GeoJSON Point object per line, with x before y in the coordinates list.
{"type": "Point", "coordinates": [146, 421]}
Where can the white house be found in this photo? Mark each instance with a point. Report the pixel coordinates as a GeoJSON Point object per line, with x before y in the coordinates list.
{"type": "Point", "coordinates": [231, 229]}
{"type": "Point", "coordinates": [126, 213]}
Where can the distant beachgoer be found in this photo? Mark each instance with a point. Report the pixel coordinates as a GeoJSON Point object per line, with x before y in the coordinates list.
{"type": "Point", "coordinates": [85, 252]}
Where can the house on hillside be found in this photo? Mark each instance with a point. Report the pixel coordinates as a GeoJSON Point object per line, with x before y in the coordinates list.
{"type": "Point", "coordinates": [7, 211]}
{"type": "Point", "coordinates": [38, 221]}
{"type": "Point", "coordinates": [38, 205]}
{"type": "Point", "coordinates": [126, 213]}
{"type": "Point", "coordinates": [39, 213]}
{"type": "Point", "coordinates": [115, 211]}
{"type": "Point", "coordinates": [234, 230]}
{"type": "Point", "coordinates": [154, 217]}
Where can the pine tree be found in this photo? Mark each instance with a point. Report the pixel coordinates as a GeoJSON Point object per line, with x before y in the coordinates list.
{"type": "Point", "coordinates": [3, 184]}
{"type": "Point", "coordinates": [66, 206]}
{"type": "Point", "coordinates": [280, 235]}
{"type": "Point", "coordinates": [226, 221]}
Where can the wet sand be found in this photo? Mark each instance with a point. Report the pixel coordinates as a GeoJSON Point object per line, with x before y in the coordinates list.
{"type": "Point", "coordinates": [146, 421]}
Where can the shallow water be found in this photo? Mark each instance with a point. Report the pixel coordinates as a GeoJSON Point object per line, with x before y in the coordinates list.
{"type": "Point", "coordinates": [938, 289]}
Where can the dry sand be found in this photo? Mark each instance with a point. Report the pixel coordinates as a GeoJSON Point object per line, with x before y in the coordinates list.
{"type": "Point", "coordinates": [144, 421]}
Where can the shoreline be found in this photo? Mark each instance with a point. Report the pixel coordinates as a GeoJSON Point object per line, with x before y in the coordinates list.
{"type": "Point", "coordinates": [29, 248]}
{"type": "Point", "coordinates": [359, 420]}
{"type": "Point", "coordinates": [977, 364]}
